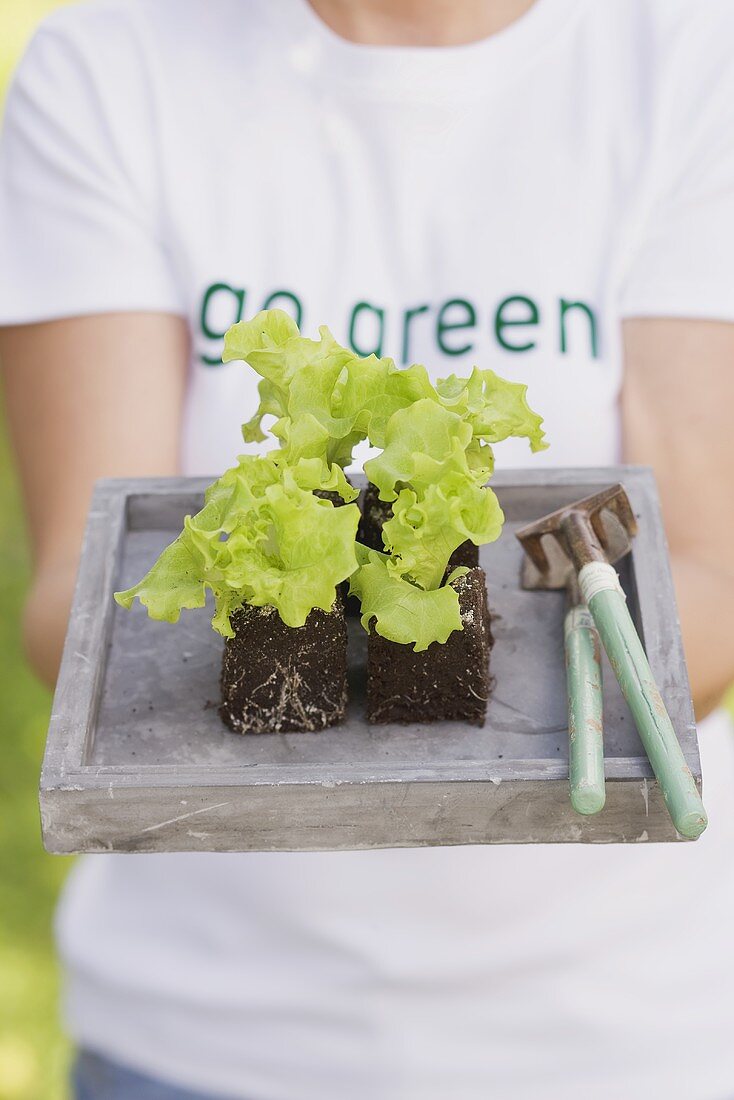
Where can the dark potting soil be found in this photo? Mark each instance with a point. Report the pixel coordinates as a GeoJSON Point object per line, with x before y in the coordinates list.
{"type": "Point", "coordinates": [329, 494]}
{"type": "Point", "coordinates": [445, 682]}
{"type": "Point", "coordinates": [376, 512]}
{"type": "Point", "coordinates": [284, 679]}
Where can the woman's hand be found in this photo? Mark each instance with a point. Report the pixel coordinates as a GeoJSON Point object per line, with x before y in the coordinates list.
{"type": "Point", "coordinates": [678, 407]}
{"type": "Point", "coordinates": [86, 397]}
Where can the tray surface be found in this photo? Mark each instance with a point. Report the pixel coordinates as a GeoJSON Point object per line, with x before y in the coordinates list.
{"type": "Point", "coordinates": [147, 737]}
{"type": "Point", "coordinates": [158, 705]}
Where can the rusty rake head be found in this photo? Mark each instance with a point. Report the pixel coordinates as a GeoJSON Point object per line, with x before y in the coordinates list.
{"type": "Point", "coordinates": [598, 528]}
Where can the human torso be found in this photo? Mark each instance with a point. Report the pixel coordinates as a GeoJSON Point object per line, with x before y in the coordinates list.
{"type": "Point", "coordinates": [493, 226]}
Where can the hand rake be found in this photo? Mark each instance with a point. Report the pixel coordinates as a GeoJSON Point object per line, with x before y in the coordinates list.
{"type": "Point", "coordinates": [577, 544]}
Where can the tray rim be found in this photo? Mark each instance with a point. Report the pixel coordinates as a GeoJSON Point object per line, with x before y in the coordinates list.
{"type": "Point", "coordinates": [119, 504]}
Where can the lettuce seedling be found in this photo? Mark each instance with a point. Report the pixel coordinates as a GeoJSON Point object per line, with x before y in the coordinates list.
{"type": "Point", "coordinates": [438, 503]}
{"type": "Point", "coordinates": [260, 539]}
{"type": "Point", "coordinates": [436, 457]}
{"type": "Point", "coordinates": [325, 398]}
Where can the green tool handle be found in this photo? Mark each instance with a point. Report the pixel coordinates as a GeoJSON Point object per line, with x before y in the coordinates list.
{"type": "Point", "coordinates": [585, 738]}
{"type": "Point", "coordinates": [607, 604]}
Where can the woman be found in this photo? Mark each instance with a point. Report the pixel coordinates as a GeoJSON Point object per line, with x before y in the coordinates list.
{"type": "Point", "coordinates": [544, 187]}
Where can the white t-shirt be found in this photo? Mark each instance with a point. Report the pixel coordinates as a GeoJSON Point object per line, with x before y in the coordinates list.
{"type": "Point", "coordinates": [504, 203]}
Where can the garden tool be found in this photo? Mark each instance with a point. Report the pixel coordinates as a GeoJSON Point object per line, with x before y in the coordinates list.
{"type": "Point", "coordinates": [585, 710]}
{"type": "Point", "coordinates": [582, 540]}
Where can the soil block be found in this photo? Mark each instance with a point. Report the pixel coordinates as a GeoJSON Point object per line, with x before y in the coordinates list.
{"type": "Point", "coordinates": [376, 512]}
{"type": "Point", "coordinates": [444, 682]}
{"type": "Point", "coordinates": [284, 679]}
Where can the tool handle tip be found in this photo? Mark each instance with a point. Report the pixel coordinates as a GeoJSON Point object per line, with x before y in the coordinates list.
{"type": "Point", "coordinates": [588, 800]}
{"type": "Point", "coordinates": [691, 824]}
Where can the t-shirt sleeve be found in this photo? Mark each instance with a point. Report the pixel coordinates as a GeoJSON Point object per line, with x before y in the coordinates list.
{"type": "Point", "coordinates": [681, 262]}
{"type": "Point", "coordinates": [80, 213]}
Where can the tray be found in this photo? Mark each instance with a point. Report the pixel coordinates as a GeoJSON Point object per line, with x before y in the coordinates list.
{"type": "Point", "coordinates": [137, 759]}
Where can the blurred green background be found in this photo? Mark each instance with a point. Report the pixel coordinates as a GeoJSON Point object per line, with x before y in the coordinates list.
{"type": "Point", "coordinates": [33, 1052]}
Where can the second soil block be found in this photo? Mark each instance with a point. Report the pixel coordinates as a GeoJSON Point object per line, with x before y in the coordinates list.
{"type": "Point", "coordinates": [448, 681]}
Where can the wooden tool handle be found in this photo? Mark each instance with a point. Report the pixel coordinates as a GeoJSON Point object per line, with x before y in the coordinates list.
{"type": "Point", "coordinates": [632, 669]}
{"type": "Point", "coordinates": [585, 737]}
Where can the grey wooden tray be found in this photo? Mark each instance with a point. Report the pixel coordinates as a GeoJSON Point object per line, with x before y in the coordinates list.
{"type": "Point", "coordinates": [137, 759]}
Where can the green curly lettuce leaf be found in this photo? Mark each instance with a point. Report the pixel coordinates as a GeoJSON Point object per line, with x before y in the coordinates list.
{"type": "Point", "coordinates": [308, 549]}
{"type": "Point", "coordinates": [175, 583]}
{"type": "Point", "coordinates": [424, 531]}
{"type": "Point", "coordinates": [495, 407]}
{"type": "Point", "coordinates": [260, 539]}
{"type": "Point", "coordinates": [349, 400]}
{"type": "Point", "coordinates": [314, 473]}
{"type": "Point", "coordinates": [424, 443]}
{"type": "Point", "coordinates": [399, 610]}
{"type": "Point", "coordinates": [297, 386]}
{"type": "Point", "coordinates": [370, 390]}
{"type": "Point", "coordinates": [324, 397]}
{"type": "Point", "coordinates": [288, 364]}
{"type": "Point", "coordinates": [311, 413]}
{"type": "Point", "coordinates": [264, 343]}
